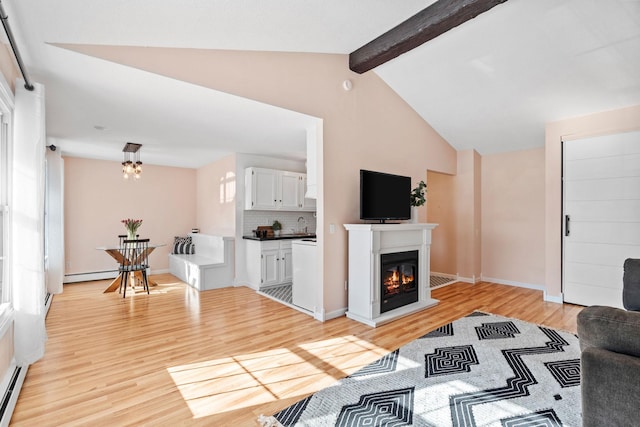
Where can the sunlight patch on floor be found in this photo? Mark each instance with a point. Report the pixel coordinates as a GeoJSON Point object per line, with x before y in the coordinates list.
{"type": "Point", "coordinates": [241, 381]}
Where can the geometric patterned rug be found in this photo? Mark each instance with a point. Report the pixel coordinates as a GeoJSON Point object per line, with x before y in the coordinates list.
{"type": "Point", "coordinates": [480, 370]}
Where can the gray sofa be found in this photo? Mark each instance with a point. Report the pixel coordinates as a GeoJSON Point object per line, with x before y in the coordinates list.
{"type": "Point", "coordinates": [610, 361]}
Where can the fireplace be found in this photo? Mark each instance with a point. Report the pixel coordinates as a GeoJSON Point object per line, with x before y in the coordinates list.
{"type": "Point", "coordinates": [370, 247]}
{"type": "Point", "coordinates": [398, 279]}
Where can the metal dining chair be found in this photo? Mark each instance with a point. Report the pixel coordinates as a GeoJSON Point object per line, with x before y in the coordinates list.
{"type": "Point", "coordinates": [123, 237]}
{"type": "Point", "coordinates": [135, 257]}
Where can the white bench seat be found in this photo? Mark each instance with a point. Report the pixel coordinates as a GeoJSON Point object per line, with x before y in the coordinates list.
{"type": "Point", "coordinates": [211, 267]}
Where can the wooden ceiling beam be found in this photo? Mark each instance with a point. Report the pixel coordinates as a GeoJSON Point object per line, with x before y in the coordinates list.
{"type": "Point", "coordinates": [426, 25]}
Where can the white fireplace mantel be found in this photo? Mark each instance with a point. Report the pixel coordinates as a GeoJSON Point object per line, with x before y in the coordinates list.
{"type": "Point", "coordinates": [366, 243]}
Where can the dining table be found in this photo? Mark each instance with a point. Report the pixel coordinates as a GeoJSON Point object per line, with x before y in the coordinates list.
{"type": "Point", "coordinates": [116, 253]}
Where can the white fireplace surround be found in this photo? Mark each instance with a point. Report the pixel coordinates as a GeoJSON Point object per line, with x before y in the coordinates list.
{"type": "Point", "coordinates": [366, 243]}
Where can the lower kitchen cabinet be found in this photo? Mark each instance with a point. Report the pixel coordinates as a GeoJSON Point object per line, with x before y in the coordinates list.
{"type": "Point", "coordinates": [269, 263]}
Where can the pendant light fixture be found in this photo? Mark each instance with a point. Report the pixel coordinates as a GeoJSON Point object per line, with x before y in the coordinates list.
{"type": "Point", "coordinates": [131, 164]}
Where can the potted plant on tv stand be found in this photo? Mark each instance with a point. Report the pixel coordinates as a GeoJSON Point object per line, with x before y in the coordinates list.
{"type": "Point", "coordinates": [276, 228]}
{"type": "Point", "coordinates": [417, 199]}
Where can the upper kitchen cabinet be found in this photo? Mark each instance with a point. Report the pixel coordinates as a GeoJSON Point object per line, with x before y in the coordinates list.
{"type": "Point", "coordinates": [261, 188]}
{"type": "Point", "coordinates": [270, 189]}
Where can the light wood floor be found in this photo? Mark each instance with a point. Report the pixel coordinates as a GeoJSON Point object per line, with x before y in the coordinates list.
{"type": "Point", "coordinates": [181, 358]}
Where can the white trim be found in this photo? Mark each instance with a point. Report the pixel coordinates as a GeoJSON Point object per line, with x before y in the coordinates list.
{"type": "Point", "coordinates": [471, 280]}
{"type": "Point", "coordinates": [333, 314]}
{"type": "Point", "coordinates": [246, 284]}
{"type": "Point", "coordinates": [514, 283]}
{"type": "Point", "coordinates": [4, 422]}
{"type": "Point", "coordinates": [552, 298]}
{"type": "Point", "coordinates": [85, 277]}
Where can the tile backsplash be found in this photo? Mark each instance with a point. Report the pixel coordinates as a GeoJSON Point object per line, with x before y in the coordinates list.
{"type": "Point", "coordinates": [289, 220]}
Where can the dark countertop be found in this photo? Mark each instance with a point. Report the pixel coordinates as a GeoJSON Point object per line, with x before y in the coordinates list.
{"type": "Point", "coordinates": [281, 237]}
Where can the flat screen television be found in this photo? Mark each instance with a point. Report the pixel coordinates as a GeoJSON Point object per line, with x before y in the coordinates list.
{"type": "Point", "coordinates": [384, 196]}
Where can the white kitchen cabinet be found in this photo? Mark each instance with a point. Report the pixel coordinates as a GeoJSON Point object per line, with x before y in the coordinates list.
{"type": "Point", "coordinates": [269, 267]}
{"type": "Point", "coordinates": [286, 261]}
{"type": "Point", "coordinates": [269, 263]}
{"type": "Point", "coordinates": [271, 189]}
{"type": "Point", "coordinates": [289, 187]}
{"type": "Point", "coordinates": [262, 189]}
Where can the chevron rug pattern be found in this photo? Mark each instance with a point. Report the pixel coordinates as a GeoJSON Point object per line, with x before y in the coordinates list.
{"type": "Point", "coordinates": [480, 370]}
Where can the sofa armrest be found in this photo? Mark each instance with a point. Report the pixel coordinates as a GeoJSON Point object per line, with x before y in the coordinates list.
{"type": "Point", "coordinates": [610, 328]}
{"type": "Point", "coordinates": [610, 385]}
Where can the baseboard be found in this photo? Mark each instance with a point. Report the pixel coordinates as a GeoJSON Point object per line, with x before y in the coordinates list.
{"type": "Point", "coordinates": [553, 298]}
{"type": "Point", "coordinates": [86, 277]}
{"type": "Point", "coordinates": [10, 393]}
{"type": "Point", "coordinates": [333, 314]}
{"type": "Point", "coordinates": [514, 283]}
{"type": "Point", "coordinates": [471, 280]}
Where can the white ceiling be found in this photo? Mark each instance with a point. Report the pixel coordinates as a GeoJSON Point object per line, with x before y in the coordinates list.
{"type": "Point", "coordinates": [490, 84]}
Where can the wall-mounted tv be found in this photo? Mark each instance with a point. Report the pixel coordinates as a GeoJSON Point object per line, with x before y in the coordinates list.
{"type": "Point", "coordinates": [384, 196]}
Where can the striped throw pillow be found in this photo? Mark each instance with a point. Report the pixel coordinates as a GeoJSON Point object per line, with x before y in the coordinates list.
{"type": "Point", "coordinates": [182, 245]}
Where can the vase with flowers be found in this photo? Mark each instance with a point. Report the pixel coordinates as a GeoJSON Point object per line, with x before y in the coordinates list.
{"type": "Point", "coordinates": [132, 226]}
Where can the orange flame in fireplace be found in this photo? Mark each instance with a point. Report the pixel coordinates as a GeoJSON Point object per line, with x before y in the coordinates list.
{"type": "Point", "coordinates": [395, 280]}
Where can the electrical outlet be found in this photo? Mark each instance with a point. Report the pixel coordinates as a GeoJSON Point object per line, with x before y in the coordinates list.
{"type": "Point", "coordinates": [68, 264]}
{"type": "Point", "coordinates": [346, 285]}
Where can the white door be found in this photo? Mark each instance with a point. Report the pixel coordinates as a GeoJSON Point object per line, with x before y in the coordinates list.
{"type": "Point", "coordinates": [601, 228]}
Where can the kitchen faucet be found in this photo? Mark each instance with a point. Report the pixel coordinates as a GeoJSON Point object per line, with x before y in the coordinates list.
{"type": "Point", "coordinates": [305, 225]}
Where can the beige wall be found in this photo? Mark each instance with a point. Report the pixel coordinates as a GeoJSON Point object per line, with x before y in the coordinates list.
{"type": "Point", "coordinates": [468, 216]}
{"type": "Point", "coordinates": [608, 122]}
{"type": "Point", "coordinates": [441, 209]}
{"type": "Point", "coordinates": [368, 127]}
{"type": "Point", "coordinates": [8, 66]}
{"type": "Point", "coordinates": [97, 198]}
{"type": "Point", "coordinates": [216, 197]}
{"type": "Point", "coordinates": [513, 217]}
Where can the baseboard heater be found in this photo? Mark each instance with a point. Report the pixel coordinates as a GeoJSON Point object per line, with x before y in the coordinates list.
{"type": "Point", "coordinates": [86, 277]}
{"type": "Point", "coordinates": [10, 396]}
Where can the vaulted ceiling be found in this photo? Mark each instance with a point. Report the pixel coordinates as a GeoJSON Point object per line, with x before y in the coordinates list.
{"type": "Point", "coordinates": [490, 84]}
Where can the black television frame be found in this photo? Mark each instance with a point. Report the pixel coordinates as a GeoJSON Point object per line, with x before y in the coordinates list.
{"type": "Point", "coordinates": [382, 217]}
